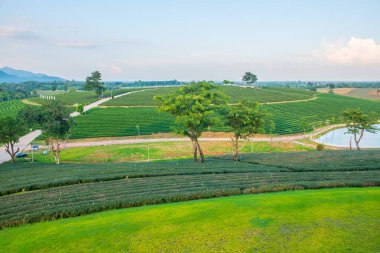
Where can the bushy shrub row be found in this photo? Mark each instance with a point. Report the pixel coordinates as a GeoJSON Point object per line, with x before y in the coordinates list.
{"type": "Point", "coordinates": [79, 199]}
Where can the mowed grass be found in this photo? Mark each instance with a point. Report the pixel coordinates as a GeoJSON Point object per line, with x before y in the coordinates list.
{"type": "Point", "coordinates": [145, 98]}
{"type": "Point", "coordinates": [329, 220]}
{"type": "Point", "coordinates": [288, 117]}
{"type": "Point", "coordinates": [159, 151]}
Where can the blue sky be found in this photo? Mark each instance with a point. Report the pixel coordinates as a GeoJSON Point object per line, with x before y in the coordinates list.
{"type": "Point", "coordinates": [193, 40]}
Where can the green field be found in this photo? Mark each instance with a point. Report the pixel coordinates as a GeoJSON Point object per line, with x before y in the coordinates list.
{"type": "Point", "coordinates": [121, 122]}
{"type": "Point", "coordinates": [70, 98]}
{"type": "Point", "coordinates": [329, 220]}
{"type": "Point", "coordinates": [77, 189]}
{"type": "Point", "coordinates": [288, 117]}
{"type": "Point", "coordinates": [158, 151]}
{"type": "Point", "coordinates": [145, 98]}
{"type": "Point", "coordinates": [10, 108]}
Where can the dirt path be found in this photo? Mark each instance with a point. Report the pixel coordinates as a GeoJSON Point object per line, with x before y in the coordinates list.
{"type": "Point", "coordinates": [28, 102]}
{"type": "Point", "coordinates": [287, 138]}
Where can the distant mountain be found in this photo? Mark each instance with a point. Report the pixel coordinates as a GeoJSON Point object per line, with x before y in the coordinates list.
{"type": "Point", "coordinates": [8, 74]}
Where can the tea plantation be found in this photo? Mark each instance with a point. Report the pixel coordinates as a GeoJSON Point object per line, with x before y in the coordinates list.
{"type": "Point", "coordinates": [236, 94]}
{"type": "Point", "coordinates": [288, 117]}
{"type": "Point", "coordinates": [11, 108]}
{"type": "Point", "coordinates": [72, 190]}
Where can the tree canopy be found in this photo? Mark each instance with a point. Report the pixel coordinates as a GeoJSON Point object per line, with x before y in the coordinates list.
{"type": "Point", "coordinates": [357, 122]}
{"type": "Point", "coordinates": [93, 82]}
{"type": "Point", "coordinates": [194, 108]}
{"type": "Point", "coordinates": [246, 119]}
{"type": "Point", "coordinates": [249, 78]}
{"type": "Point", "coordinates": [10, 132]}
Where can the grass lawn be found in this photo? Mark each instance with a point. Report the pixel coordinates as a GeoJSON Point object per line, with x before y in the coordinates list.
{"type": "Point", "coordinates": [160, 151]}
{"type": "Point", "coordinates": [329, 220]}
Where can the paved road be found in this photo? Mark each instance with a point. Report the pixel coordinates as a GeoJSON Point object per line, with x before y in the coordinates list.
{"type": "Point", "coordinates": [101, 101]}
{"type": "Point", "coordinates": [25, 140]}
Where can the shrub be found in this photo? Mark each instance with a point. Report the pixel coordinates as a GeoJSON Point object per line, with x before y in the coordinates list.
{"type": "Point", "coordinates": [320, 147]}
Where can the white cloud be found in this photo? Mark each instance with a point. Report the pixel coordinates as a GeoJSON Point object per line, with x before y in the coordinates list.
{"type": "Point", "coordinates": [355, 51]}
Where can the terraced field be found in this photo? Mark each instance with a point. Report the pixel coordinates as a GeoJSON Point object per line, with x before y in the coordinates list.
{"type": "Point", "coordinates": [288, 117]}
{"type": "Point", "coordinates": [236, 94]}
{"type": "Point", "coordinates": [121, 122]}
{"type": "Point", "coordinates": [144, 98]}
{"type": "Point", "coordinates": [266, 95]}
{"type": "Point", "coordinates": [72, 190]}
{"type": "Point", "coordinates": [326, 109]}
{"type": "Point", "coordinates": [10, 108]}
{"type": "Point", "coordinates": [71, 98]}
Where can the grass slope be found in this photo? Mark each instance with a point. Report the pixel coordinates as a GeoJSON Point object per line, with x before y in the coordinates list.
{"type": "Point", "coordinates": [330, 220]}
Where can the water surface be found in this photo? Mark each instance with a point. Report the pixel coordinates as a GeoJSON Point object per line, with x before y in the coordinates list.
{"type": "Point", "coordinates": [338, 138]}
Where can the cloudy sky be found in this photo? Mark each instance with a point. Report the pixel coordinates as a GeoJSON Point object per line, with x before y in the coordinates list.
{"type": "Point", "coordinates": [193, 39]}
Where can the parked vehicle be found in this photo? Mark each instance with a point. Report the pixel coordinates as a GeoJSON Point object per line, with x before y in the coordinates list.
{"type": "Point", "coordinates": [21, 154]}
{"type": "Point", "coordinates": [35, 147]}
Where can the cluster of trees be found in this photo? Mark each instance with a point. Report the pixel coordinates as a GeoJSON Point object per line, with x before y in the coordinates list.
{"type": "Point", "coordinates": [54, 120]}
{"type": "Point", "coordinates": [201, 105]}
{"type": "Point", "coordinates": [11, 91]}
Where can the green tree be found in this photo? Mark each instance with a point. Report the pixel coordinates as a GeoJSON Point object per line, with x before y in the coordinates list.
{"type": "Point", "coordinates": [56, 123]}
{"type": "Point", "coordinates": [10, 132]}
{"type": "Point", "coordinates": [31, 115]}
{"type": "Point", "coordinates": [93, 82]}
{"type": "Point", "coordinates": [194, 107]}
{"type": "Point", "coordinates": [246, 119]}
{"type": "Point", "coordinates": [358, 122]}
{"type": "Point", "coordinates": [227, 82]}
{"type": "Point", "coordinates": [54, 87]}
{"type": "Point", "coordinates": [80, 108]}
{"type": "Point", "coordinates": [249, 78]}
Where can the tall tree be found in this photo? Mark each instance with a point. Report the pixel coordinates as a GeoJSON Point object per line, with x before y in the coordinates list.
{"type": "Point", "coordinates": [10, 132]}
{"type": "Point", "coordinates": [194, 108]}
{"type": "Point", "coordinates": [56, 123]}
{"type": "Point", "coordinates": [358, 122]}
{"type": "Point", "coordinates": [249, 78]}
{"type": "Point", "coordinates": [246, 119]}
{"type": "Point", "coordinates": [93, 82]}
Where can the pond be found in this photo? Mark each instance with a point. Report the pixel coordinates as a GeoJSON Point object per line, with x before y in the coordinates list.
{"type": "Point", "coordinates": [338, 138]}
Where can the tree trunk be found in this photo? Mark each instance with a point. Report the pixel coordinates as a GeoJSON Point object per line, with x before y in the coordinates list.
{"type": "Point", "coordinates": [235, 145]}
{"type": "Point", "coordinates": [9, 148]}
{"type": "Point", "coordinates": [56, 152]}
{"type": "Point", "coordinates": [195, 150]}
{"type": "Point", "coordinates": [356, 142]}
{"type": "Point", "coordinates": [201, 156]}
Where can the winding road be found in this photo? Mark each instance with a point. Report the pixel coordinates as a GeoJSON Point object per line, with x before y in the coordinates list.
{"type": "Point", "coordinates": [27, 139]}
